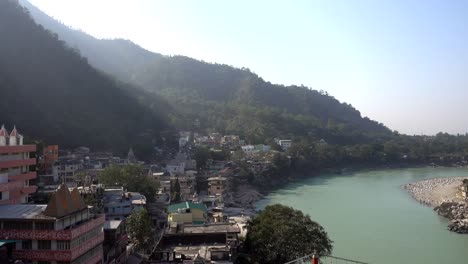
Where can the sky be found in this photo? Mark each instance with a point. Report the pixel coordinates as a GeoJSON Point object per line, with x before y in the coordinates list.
{"type": "Point", "coordinates": [399, 62]}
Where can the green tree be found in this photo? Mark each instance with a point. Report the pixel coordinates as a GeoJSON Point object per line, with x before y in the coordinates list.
{"type": "Point", "coordinates": [140, 230]}
{"type": "Point", "coordinates": [280, 234]}
{"type": "Point", "coordinates": [201, 156]}
{"type": "Point", "coordinates": [132, 178]}
{"type": "Point", "coordinates": [175, 192]}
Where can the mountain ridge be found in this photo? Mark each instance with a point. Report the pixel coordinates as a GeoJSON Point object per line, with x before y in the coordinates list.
{"type": "Point", "coordinates": [52, 93]}
{"type": "Point", "coordinates": [221, 97]}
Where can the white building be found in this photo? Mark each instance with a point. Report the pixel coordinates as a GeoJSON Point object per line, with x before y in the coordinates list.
{"type": "Point", "coordinates": [248, 149]}
{"type": "Point", "coordinates": [66, 170]}
{"type": "Point", "coordinates": [285, 144]}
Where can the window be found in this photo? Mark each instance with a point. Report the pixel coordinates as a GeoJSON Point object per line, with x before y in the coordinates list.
{"type": "Point", "coordinates": [44, 244]}
{"type": "Point", "coordinates": [44, 225]}
{"type": "Point", "coordinates": [17, 225]}
{"type": "Point", "coordinates": [63, 245]}
{"type": "Point", "coordinates": [1, 196]}
{"type": "Point", "coordinates": [26, 244]}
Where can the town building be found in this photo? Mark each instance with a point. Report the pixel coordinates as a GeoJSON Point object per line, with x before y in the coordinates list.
{"type": "Point", "coordinates": [64, 170]}
{"type": "Point", "coordinates": [187, 213]}
{"type": "Point", "coordinates": [285, 144]}
{"type": "Point", "coordinates": [248, 149]}
{"type": "Point", "coordinates": [115, 242]}
{"type": "Point", "coordinates": [216, 185]}
{"type": "Point", "coordinates": [17, 164]}
{"type": "Point", "coordinates": [49, 157]}
{"type": "Point", "coordinates": [119, 204]}
{"type": "Point", "coordinates": [187, 187]}
{"type": "Point", "coordinates": [63, 231]}
{"type": "Point", "coordinates": [213, 243]}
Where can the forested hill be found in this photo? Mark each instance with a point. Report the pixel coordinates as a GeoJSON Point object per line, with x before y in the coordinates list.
{"type": "Point", "coordinates": [222, 97]}
{"type": "Point", "coordinates": [51, 93]}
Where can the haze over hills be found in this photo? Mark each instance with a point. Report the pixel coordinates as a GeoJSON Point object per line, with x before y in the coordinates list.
{"type": "Point", "coordinates": [221, 97]}
{"type": "Point", "coordinates": [51, 93]}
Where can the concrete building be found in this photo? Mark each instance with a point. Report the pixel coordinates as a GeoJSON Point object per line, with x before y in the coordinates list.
{"type": "Point", "coordinates": [115, 242]}
{"type": "Point", "coordinates": [188, 213]}
{"type": "Point", "coordinates": [16, 168]}
{"type": "Point", "coordinates": [63, 231]}
{"type": "Point", "coordinates": [214, 243]}
{"type": "Point", "coordinates": [216, 185]}
{"type": "Point", "coordinates": [48, 159]}
{"type": "Point", "coordinates": [119, 204]}
{"type": "Point", "coordinates": [285, 144]}
{"type": "Point", "coordinates": [64, 170]}
{"type": "Point", "coordinates": [248, 149]}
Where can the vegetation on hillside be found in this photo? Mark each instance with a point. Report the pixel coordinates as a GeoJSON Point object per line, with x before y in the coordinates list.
{"type": "Point", "coordinates": [132, 178]}
{"type": "Point", "coordinates": [214, 97]}
{"type": "Point", "coordinates": [208, 97]}
{"type": "Point", "coordinates": [51, 92]}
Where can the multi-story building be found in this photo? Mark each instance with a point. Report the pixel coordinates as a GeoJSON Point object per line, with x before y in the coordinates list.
{"type": "Point", "coordinates": [192, 244]}
{"type": "Point", "coordinates": [65, 170]}
{"type": "Point", "coordinates": [119, 204]}
{"type": "Point", "coordinates": [17, 173]}
{"type": "Point", "coordinates": [63, 231]}
{"type": "Point", "coordinates": [187, 212]}
{"type": "Point", "coordinates": [115, 242]}
{"type": "Point", "coordinates": [49, 157]}
{"type": "Point", "coordinates": [216, 185]}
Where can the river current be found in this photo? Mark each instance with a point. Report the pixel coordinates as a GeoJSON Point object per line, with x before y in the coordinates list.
{"type": "Point", "coordinates": [372, 219]}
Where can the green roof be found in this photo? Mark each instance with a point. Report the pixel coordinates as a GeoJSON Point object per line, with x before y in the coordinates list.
{"type": "Point", "coordinates": [185, 205]}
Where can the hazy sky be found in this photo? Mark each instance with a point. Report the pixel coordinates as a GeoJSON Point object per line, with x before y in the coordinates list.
{"type": "Point", "coordinates": [403, 63]}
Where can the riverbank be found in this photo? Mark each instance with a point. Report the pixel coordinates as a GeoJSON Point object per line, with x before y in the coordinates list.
{"type": "Point", "coordinates": [430, 192]}
{"type": "Point", "coordinates": [441, 194]}
{"type": "Point", "coordinates": [434, 192]}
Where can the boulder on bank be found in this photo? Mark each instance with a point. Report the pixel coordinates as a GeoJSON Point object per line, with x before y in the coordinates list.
{"type": "Point", "coordinates": [457, 213]}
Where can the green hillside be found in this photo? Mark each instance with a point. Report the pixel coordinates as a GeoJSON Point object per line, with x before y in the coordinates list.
{"type": "Point", "coordinates": [221, 97]}
{"type": "Point", "coordinates": [52, 93]}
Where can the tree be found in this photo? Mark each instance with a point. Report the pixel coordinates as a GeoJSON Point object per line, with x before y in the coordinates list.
{"type": "Point", "coordinates": [175, 192]}
{"type": "Point", "coordinates": [139, 229]}
{"type": "Point", "coordinates": [201, 156]}
{"type": "Point", "coordinates": [280, 234]}
{"type": "Point", "coordinates": [131, 177]}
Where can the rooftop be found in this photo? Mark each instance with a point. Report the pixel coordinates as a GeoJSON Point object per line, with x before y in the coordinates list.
{"type": "Point", "coordinates": [173, 208]}
{"type": "Point", "coordinates": [23, 211]}
{"type": "Point", "coordinates": [112, 224]}
{"type": "Point", "coordinates": [217, 178]}
{"type": "Point", "coordinates": [211, 228]}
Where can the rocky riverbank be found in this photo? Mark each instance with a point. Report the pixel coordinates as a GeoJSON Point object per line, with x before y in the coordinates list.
{"type": "Point", "coordinates": [441, 193]}
{"type": "Point", "coordinates": [458, 215]}
{"type": "Point", "coordinates": [434, 192]}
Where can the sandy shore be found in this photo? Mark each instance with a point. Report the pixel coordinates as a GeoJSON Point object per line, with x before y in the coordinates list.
{"type": "Point", "coordinates": [433, 192]}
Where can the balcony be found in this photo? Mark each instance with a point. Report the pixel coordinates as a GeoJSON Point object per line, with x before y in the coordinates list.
{"type": "Point", "coordinates": [9, 186]}
{"type": "Point", "coordinates": [59, 255]}
{"type": "Point", "coordinates": [53, 234]}
{"type": "Point", "coordinates": [23, 176]}
{"type": "Point", "coordinates": [17, 149]}
{"type": "Point", "coordinates": [29, 189]}
{"type": "Point", "coordinates": [17, 163]}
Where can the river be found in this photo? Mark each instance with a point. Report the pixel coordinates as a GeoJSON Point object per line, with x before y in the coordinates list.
{"type": "Point", "coordinates": [371, 219]}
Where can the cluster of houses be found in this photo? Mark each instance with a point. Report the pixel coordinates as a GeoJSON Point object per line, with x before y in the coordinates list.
{"type": "Point", "coordinates": [188, 208]}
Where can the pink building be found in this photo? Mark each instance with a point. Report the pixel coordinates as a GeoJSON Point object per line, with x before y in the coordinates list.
{"type": "Point", "coordinates": [15, 171]}
{"type": "Point", "coordinates": [64, 231]}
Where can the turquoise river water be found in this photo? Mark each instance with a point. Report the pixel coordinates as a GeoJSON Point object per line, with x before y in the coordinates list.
{"type": "Point", "coordinates": [371, 219]}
